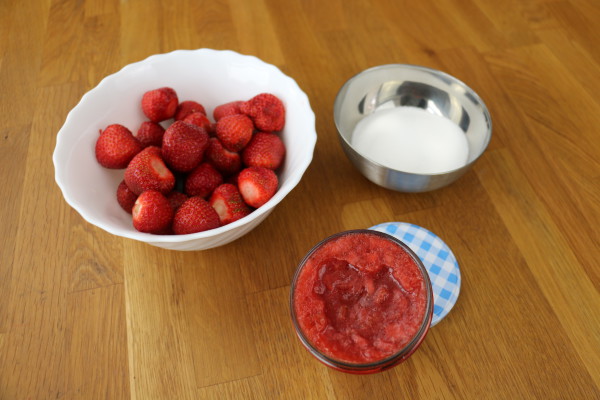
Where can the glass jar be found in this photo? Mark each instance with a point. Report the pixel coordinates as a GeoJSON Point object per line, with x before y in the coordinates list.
{"type": "Point", "coordinates": [361, 301]}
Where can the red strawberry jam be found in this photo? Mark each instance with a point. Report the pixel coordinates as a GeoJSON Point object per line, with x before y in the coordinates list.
{"type": "Point", "coordinates": [361, 301]}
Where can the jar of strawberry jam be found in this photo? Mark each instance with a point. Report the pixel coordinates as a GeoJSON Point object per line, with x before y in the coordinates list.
{"type": "Point", "coordinates": [361, 301]}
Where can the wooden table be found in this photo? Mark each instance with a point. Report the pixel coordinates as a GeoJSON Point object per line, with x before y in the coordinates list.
{"type": "Point", "coordinates": [86, 315]}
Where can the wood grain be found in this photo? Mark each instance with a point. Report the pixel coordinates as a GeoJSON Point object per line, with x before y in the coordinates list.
{"type": "Point", "coordinates": [88, 315]}
{"type": "Point", "coordinates": [93, 371]}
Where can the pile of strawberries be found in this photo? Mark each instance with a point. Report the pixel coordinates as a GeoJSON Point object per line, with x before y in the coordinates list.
{"type": "Point", "coordinates": [196, 174]}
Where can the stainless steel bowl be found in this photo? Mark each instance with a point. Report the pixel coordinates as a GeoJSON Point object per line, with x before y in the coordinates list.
{"type": "Point", "coordinates": [401, 85]}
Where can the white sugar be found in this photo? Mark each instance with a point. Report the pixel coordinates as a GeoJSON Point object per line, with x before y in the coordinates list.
{"type": "Point", "coordinates": [411, 139]}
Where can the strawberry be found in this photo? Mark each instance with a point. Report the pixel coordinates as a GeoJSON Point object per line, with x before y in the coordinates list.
{"type": "Point", "coordinates": [184, 145]}
{"type": "Point", "coordinates": [188, 107]}
{"type": "Point", "coordinates": [257, 185]}
{"type": "Point", "coordinates": [226, 109]}
{"type": "Point", "coordinates": [125, 197]}
{"type": "Point", "coordinates": [195, 215]}
{"type": "Point", "coordinates": [235, 131]}
{"type": "Point", "coordinates": [200, 120]}
{"type": "Point", "coordinates": [147, 171]}
{"type": "Point", "coordinates": [150, 134]}
{"type": "Point", "coordinates": [176, 199]}
{"type": "Point", "coordinates": [116, 146]}
{"type": "Point", "coordinates": [160, 104]}
{"type": "Point", "coordinates": [264, 150]}
{"type": "Point", "coordinates": [267, 112]}
{"type": "Point", "coordinates": [152, 212]}
{"type": "Point", "coordinates": [225, 161]}
{"type": "Point", "coordinates": [202, 180]}
{"type": "Point", "coordinates": [227, 201]}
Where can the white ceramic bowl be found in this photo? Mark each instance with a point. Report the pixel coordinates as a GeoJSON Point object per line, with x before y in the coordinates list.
{"type": "Point", "coordinates": [211, 77]}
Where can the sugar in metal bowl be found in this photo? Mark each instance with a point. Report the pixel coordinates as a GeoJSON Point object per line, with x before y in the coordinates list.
{"type": "Point", "coordinates": [410, 128]}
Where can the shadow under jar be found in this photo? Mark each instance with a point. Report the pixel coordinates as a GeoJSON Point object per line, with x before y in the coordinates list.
{"type": "Point", "coordinates": [361, 301]}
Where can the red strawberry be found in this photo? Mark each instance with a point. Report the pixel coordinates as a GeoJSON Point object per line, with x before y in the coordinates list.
{"type": "Point", "coordinates": [226, 109]}
{"type": "Point", "coordinates": [200, 120]}
{"type": "Point", "coordinates": [267, 112]}
{"type": "Point", "coordinates": [225, 161]}
{"type": "Point", "coordinates": [125, 197]}
{"type": "Point", "coordinates": [160, 104]}
{"type": "Point", "coordinates": [264, 150]}
{"type": "Point", "coordinates": [227, 201]}
{"type": "Point", "coordinates": [235, 131]}
{"type": "Point", "coordinates": [257, 185]}
{"type": "Point", "coordinates": [147, 171]}
{"type": "Point", "coordinates": [176, 199]}
{"type": "Point", "coordinates": [202, 180]}
{"type": "Point", "coordinates": [195, 215]}
{"type": "Point", "coordinates": [116, 146]}
{"type": "Point", "coordinates": [152, 212]}
{"type": "Point", "coordinates": [188, 107]}
{"type": "Point", "coordinates": [184, 145]}
{"type": "Point", "coordinates": [150, 134]}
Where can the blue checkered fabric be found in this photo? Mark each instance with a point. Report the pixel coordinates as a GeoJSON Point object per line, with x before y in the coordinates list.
{"type": "Point", "coordinates": [437, 257]}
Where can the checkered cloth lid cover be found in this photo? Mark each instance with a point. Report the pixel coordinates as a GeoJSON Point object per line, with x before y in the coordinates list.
{"type": "Point", "coordinates": [438, 259]}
